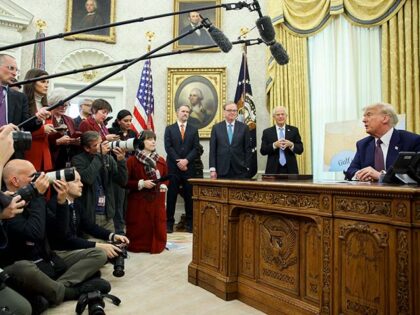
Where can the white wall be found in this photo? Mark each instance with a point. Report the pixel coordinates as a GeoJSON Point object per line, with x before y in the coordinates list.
{"type": "Point", "coordinates": [131, 43]}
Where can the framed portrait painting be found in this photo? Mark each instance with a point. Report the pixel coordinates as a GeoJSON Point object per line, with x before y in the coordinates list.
{"type": "Point", "coordinates": [83, 14]}
{"type": "Point", "coordinates": [203, 89]}
{"type": "Point", "coordinates": [187, 21]}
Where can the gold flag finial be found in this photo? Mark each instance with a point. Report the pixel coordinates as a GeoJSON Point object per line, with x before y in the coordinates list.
{"type": "Point", "coordinates": [243, 31]}
{"type": "Point", "coordinates": [40, 24]}
{"type": "Point", "coordinates": [150, 36]}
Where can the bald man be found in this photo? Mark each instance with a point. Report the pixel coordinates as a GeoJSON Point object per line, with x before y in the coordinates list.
{"type": "Point", "coordinates": [281, 143]}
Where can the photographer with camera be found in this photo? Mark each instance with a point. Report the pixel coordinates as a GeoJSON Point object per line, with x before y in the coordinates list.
{"type": "Point", "coordinates": [10, 300]}
{"type": "Point", "coordinates": [33, 266]}
{"type": "Point", "coordinates": [99, 172]}
{"type": "Point", "coordinates": [68, 227]}
{"type": "Point", "coordinates": [122, 127]}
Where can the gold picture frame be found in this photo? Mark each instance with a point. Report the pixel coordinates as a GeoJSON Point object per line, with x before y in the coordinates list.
{"type": "Point", "coordinates": [182, 24]}
{"type": "Point", "coordinates": [204, 89]}
{"type": "Point", "coordinates": [82, 14]}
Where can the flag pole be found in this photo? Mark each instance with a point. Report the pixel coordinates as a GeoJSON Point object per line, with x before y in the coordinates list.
{"type": "Point", "coordinates": [149, 36]}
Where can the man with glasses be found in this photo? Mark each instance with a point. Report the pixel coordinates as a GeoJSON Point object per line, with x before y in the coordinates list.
{"type": "Point", "coordinates": [85, 106]}
{"type": "Point", "coordinates": [14, 105]}
{"type": "Point", "coordinates": [230, 146]}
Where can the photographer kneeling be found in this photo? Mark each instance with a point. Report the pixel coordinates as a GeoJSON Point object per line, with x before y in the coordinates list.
{"type": "Point", "coordinates": [66, 232]}
{"type": "Point", "coordinates": [33, 267]}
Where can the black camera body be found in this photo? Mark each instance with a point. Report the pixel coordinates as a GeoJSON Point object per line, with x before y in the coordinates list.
{"type": "Point", "coordinates": [118, 261]}
{"type": "Point", "coordinates": [94, 301]}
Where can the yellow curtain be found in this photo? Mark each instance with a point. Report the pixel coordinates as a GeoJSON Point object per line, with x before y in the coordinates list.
{"type": "Point", "coordinates": [288, 86]}
{"type": "Point", "coordinates": [400, 63]}
{"type": "Point", "coordinates": [306, 18]}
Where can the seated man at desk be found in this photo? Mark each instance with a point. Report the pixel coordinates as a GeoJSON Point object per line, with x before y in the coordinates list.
{"type": "Point", "coordinates": [378, 151]}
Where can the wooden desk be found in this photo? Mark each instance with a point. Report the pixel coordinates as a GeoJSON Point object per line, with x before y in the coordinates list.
{"type": "Point", "coordinates": [308, 248]}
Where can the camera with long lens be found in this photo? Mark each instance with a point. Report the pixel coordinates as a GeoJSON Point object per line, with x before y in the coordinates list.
{"type": "Point", "coordinates": [128, 145]}
{"type": "Point", "coordinates": [95, 302]}
{"type": "Point", "coordinates": [22, 140]}
{"type": "Point", "coordinates": [29, 191]}
{"type": "Point", "coordinates": [118, 261]}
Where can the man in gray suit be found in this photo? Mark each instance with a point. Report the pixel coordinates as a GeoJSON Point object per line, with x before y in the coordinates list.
{"type": "Point", "coordinates": [230, 146]}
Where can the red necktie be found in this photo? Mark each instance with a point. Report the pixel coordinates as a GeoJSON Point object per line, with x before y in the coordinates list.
{"type": "Point", "coordinates": [379, 156]}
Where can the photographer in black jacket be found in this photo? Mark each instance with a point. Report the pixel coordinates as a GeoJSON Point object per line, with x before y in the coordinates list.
{"type": "Point", "coordinates": [66, 232]}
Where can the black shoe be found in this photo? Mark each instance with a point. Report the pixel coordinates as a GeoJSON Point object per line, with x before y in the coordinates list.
{"type": "Point", "coordinates": [169, 228]}
{"type": "Point", "coordinates": [96, 284]}
{"type": "Point", "coordinates": [39, 304]}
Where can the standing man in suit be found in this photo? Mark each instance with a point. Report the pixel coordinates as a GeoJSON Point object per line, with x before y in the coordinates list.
{"type": "Point", "coordinates": [230, 146]}
{"type": "Point", "coordinates": [14, 105]}
{"type": "Point", "coordinates": [181, 143]}
{"type": "Point", "coordinates": [378, 151]}
{"type": "Point", "coordinates": [281, 143]}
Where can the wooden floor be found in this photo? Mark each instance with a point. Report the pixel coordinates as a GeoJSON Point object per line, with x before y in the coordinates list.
{"type": "Point", "coordinates": [157, 284]}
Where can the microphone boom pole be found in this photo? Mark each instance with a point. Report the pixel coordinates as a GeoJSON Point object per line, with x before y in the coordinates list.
{"type": "Point", "coordinates": [228, 6]}
{"type": "Point", "coordinates": [247, 42]}
{"type": "Point", "coordinates": [125, 66]}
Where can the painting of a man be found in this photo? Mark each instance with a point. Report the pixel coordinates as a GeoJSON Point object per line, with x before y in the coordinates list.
{"type": "Point", "coordinates": [87, 13]}
{"type": "Point", "coordinates": [201, 96]}
{"type": "Point", "coordinates": [200, 36]}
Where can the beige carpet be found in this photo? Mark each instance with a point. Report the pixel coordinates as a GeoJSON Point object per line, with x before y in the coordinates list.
{"type": "Point", "coordinates": [157, 284]}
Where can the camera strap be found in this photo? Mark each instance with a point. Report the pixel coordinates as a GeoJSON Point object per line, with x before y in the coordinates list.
{"type": "Point", "coordinates": [116, 301]}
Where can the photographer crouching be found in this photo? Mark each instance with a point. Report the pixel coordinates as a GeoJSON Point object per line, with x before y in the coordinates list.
{"type": "Point", "coordinates": [67, 230]}
{"type": "Point", "coordinates": [35, 269]}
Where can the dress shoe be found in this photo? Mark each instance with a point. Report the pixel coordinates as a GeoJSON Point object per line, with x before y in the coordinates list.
{"type": "Point", "coordinates": [180, 227]}
{"type": "Point", "coordinates": [169, 229]}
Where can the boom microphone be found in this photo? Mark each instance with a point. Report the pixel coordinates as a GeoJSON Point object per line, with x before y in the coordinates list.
{"type": "Point", "coordinates": [266, 29]}
{"type": "Point", "coordinates": [217, 35]}
{"type": "Point", "coordinates": [268, 35]}
{"type": "Point", "coordinates": [279, 54]}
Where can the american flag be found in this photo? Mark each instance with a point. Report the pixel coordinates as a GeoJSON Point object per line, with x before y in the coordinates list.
{"type": "Point", "coordinates": [144, 105]}
{"type": "Point", "coordinates": [247, 112]}
{"type": "Point", "coordinates": [38, 59]}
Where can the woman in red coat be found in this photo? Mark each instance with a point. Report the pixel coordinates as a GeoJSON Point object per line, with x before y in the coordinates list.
{"type": "Point", "coordinates": [146, 212]}
{"type": "Point", "coordinates": [39, 154]}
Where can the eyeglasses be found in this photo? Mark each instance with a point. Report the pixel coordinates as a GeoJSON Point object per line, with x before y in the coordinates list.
{"type": "Point", "coordinates": [231, 110]}
{"type": "Point", "coordinates": [12, 68]}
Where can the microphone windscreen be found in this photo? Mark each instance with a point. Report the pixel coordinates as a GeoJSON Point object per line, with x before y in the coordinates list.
{"type": "Point", "coordinates": [220, 39]}
{"type": "Point", "coordinates": [266, 29]}
{"type": "Point", "coordinates": [279, 54]}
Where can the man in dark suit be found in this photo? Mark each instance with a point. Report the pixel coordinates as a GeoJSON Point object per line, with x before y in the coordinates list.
{"type": "Point", "coordinates": [281, 143]}
{"type": "Point", "coordinates": [378, 151]}
{"type": "Point", "coordinates": [14, 105]}
{"type": "Point", "coordinates": [230, 146]}
{"type": "Point", "coordinates": [181, 143]}
{"type": "Point", "coordinates": [199, 37]}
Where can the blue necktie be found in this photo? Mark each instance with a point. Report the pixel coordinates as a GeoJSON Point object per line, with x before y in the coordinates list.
{"type": "Point", "coordinates": [282, 156]}
{"type": "Point", "coordinates": [3, 118]}
{"type": "Point", "coordinates": [230, 133]}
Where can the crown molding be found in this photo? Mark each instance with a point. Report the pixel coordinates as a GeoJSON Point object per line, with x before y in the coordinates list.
{"type": "Point", "coordinates": [14, 16]}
